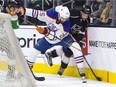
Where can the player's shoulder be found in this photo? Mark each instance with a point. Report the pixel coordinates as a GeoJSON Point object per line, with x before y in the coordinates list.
{"type": "Point", "coordinates": [52, 14]}
{"type": "Point", "coordinates": [66, 26]}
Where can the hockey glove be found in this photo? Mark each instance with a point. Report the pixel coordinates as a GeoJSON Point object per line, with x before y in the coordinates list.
{"type": "Point", "coordinates": [44, 31]}
{"type": "Point", "coordinates": [21, 11]}
{"type": "Point", "coordinates": [15, 8]}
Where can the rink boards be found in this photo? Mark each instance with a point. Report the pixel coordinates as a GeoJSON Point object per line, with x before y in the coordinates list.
{"type": "Point", "coordinates": [101, 45]}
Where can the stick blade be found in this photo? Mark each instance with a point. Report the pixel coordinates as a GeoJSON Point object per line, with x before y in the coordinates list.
{"type": "Point", "coordinates": [39, 78]}
{"type": "Point", "coordinates": [99, 79]}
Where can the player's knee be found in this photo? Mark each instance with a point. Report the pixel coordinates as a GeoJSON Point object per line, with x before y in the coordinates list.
{"type": "Point", "coordinates": [68, 53]}
{"type": "Point", "coordinates": [54, 53]}
{"type": "Point", "coordinates": [64, 65]}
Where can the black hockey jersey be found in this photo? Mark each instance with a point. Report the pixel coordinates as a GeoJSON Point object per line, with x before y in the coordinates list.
{"type": "Point", "coordinates": [78, 26]}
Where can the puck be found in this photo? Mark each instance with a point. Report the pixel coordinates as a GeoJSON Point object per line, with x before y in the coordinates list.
{"type": "Point", "coordinates": [84, 81]}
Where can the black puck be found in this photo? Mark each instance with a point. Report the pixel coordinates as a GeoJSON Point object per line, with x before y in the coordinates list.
{"type": "Point", "coordinates": [84, 81]}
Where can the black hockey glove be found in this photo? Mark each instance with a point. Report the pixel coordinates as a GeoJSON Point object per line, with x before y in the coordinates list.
{"type": "Point", "coordinates": [79, 39]}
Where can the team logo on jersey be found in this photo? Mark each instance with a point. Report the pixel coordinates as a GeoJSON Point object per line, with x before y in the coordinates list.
{"type": "Point", "coordinates": [75, 28]}
{"type": "Point", "coordinates": [52, 27]}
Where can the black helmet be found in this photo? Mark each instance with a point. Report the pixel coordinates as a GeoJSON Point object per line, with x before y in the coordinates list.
{"type": "Point", "coordinates": [86, 9]}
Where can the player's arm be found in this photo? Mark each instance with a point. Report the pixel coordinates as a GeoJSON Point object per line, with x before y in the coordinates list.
{"type": "Point", "coordinates": [45, 16]}
{"type": "Point", "coordinates": [85, 24]}
{"type": "Point", "coordinates": [40, 15]}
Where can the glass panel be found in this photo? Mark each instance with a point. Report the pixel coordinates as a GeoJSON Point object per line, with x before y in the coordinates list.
{"type": "Point", "coordinates": [100, 15]}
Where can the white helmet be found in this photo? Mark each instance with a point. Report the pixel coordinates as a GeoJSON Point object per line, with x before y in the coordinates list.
{"type": "Point", "coordinates": [63, 11]}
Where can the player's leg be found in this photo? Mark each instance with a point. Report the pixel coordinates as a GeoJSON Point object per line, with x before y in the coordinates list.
{"type": "Point", "coordinates": [31, 60]}
{"type": "Point", "coordinates": [32, 57]}
{"type": "Point", "coordinates": [65, 60]}
{"type": "Point", "coordinates": [78, 57]}
{"type": "Point", "coordinates": [41, 46]}
{"type": "Point", "coordinates": [52, 53]}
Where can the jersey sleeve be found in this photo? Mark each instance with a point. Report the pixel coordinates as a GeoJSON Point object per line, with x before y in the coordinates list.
{"type": "Point", "coordinates": [45, 16]}
{"type": "Point", "coordinates": [85, 24]}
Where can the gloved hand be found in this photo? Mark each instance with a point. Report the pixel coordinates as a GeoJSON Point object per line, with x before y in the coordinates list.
{"type": "Point", "coordinates": [15, 8]}
{"type": "Point", "coordinates": [40, 30]}
{"type": "Point", "coordinates": [44, 30]}
{"type": "Point", "coordinates": [80, 39]}
{"type": "Point", "coordinates": [20, 11]}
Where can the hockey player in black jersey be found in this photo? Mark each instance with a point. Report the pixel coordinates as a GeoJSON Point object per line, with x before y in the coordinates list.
{"type": "Point", "coordinates": [80, 21]}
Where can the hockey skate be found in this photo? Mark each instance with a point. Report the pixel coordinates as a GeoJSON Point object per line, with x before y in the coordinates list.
{"type": "Point", "coordinates": [82, 74]}
{"type": "Point", "coordinates": [60, 71]}
{"type": "Point", "coordinates": [11, 72]}
{"type": "Point", "coordinates": [48, 59]}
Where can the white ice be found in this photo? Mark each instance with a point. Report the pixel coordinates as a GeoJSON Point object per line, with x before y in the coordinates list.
{"type": "Point", "coordinates": [67, 81]}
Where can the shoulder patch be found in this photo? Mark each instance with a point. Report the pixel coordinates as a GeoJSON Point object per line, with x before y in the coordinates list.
{"type": "Point", "coordinates": [52, 14]}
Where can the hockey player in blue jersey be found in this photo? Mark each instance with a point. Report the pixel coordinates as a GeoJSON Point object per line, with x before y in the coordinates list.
{"type": "Point", "coordinates": [79, 23]}
{"type": "Point", "coordinates": [55, 33]}
{"type": "Point", "coordinates": [58, 25]}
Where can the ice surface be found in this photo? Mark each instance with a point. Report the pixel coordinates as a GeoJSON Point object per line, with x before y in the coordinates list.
{"type": "Point", "coordinates": [66, 81]}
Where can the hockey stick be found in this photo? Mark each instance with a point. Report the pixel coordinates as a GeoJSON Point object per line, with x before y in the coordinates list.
{"type": "Point", "coordinates": [52, 35]}
{"type": "Point", "coordinates": [37, 78]}
{"type": "Point", "coordinates": [98, 78]}
{"type": "Point", "coordinates": [69, 44]}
